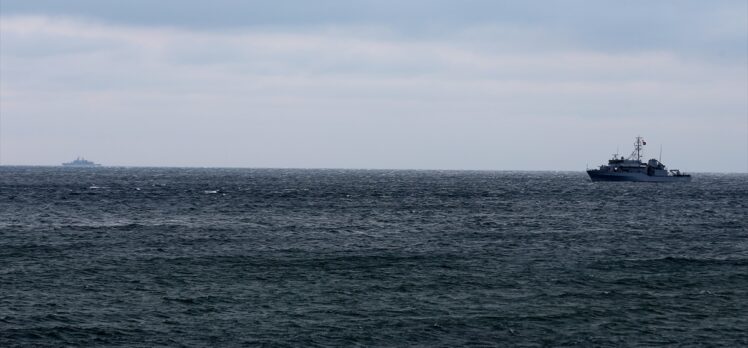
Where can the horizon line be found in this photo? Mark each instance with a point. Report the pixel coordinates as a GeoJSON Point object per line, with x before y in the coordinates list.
{"type": "Point", "coordinates": [328, 168]}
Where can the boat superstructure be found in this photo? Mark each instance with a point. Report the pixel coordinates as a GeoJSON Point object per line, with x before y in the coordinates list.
{"type": "Point", "coordinates": [633, 169]}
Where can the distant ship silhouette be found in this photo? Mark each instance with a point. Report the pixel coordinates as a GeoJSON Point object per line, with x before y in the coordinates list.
{"type": "Point", "coordinates": [81, 162]}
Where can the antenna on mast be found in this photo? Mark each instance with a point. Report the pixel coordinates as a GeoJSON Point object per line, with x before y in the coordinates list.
{"type": "Point", "coordinates": [660, 153]}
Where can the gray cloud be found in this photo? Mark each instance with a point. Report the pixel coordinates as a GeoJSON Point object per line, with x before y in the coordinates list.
{"type": "Point", "coordinates": [715, 29]}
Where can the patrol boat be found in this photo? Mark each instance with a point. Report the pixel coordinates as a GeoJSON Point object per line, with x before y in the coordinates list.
{"type": "Point", "coordinates": [633, 169]}
{"type": "Point", "coordinates": [81, 162]}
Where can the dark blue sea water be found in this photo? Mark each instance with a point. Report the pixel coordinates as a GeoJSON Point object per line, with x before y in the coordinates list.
{"type": "Point", "coordinates": [255, 257]}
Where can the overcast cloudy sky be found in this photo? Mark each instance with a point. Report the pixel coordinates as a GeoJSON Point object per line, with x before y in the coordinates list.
{"type": "Point", "coordinates": [423, 84]}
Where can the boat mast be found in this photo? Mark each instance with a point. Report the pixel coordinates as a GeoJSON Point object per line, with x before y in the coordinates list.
{"type": "Point", "coordinates": [637, 149]}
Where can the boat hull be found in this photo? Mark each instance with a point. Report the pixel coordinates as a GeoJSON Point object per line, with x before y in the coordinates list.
{"type": "Point", "coordinates": [597, 175]}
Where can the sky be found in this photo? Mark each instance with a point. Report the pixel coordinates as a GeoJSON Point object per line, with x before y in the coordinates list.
{"type": "Point", "coordinates": [418, 84]}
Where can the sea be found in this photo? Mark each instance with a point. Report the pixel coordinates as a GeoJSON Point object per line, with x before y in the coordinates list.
{"type": "Point", "coordinates": [185, 257]}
